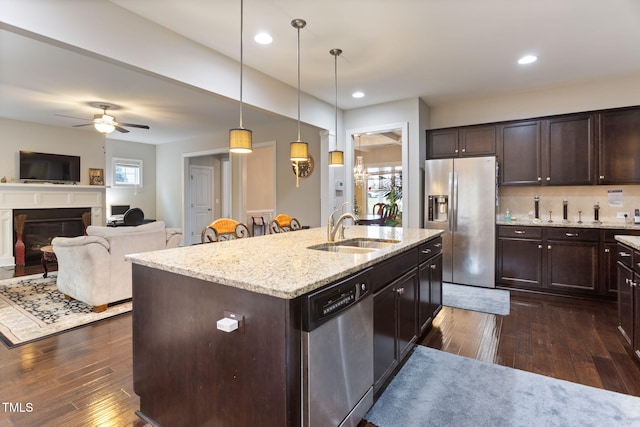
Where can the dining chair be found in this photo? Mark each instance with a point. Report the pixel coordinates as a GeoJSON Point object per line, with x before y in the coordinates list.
{"type": "Point", "coordinates": [224, 229]}
{"type": "Point", "coordinates": [389, 213]}
{"type": "Point", "coordinates": [377, 208]}
{"type": "Point", "coordinates": [283, 223]}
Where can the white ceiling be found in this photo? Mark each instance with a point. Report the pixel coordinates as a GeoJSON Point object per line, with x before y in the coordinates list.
{"type": "Point", "coordinates": [440, 51]}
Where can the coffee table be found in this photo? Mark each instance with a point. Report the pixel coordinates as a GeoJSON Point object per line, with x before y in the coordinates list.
{"type": "Point", "coordinates": [47, 256]}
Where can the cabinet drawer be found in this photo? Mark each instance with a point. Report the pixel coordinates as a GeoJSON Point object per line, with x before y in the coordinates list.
{"type": "Point", "coordinates": [429, 249]}
{"type": "Point", "coordinates": [393, 268]}
{"type": "Point", "coordinates": [610, 234]}
{"type": "Point", "coordinates": [582, 234]}
{"type": "Point", "coordinates": [520, 232]}
{"type": "Point", "coordinates": [625, 255]}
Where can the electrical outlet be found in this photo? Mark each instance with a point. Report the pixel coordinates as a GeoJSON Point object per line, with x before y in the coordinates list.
{"type": "Point", "coordinates": [622, 215]}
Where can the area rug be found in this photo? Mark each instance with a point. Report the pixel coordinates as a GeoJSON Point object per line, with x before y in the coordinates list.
{"type": "Point", "coordinates": [487, 300]}
{"type": "Point", "coordinates": [435, 388]}
{"type": "Point", "coordinates": [32, 308]}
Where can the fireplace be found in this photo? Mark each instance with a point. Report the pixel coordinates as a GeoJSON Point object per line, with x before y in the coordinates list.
{"type": "Point", "coordinates": [42, 225]}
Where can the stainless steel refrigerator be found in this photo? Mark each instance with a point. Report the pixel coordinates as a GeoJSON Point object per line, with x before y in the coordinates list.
{"type": "Point", "coordinates": [460, 198]}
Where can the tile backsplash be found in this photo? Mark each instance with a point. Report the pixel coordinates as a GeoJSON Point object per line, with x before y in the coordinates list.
{"type": "Point", "coordinates": [520, 202]}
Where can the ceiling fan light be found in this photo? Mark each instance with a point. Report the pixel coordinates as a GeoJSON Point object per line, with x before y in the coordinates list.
{"type": "Point", "coordinates": [336, 158]}
{"type": "Point", "coordinates": [299, 151]}
{"type": "Point", "coordinates": [240, 140]}
{"type": "Point", "coordinates": [104, 123]}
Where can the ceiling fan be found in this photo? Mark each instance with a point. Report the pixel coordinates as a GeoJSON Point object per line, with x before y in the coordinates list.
{"type": "Point", "coordinates": [106, 123]}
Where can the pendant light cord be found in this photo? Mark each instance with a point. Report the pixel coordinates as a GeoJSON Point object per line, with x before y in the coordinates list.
{"type": "Point", "coordinates": [298, 82]}
{"type": "Point", "coordinates": [241, 53]}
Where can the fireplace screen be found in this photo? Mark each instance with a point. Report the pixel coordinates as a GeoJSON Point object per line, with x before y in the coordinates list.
{"type": "Point", "coordinates": [42, 225]}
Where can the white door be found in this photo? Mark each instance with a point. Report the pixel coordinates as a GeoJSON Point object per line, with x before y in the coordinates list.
{"type": "Point", "coordinates": [201, 200]}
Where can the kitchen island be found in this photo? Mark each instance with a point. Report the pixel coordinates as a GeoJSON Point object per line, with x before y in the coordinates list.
{"type": "Point", "coordinates": [187, 372]}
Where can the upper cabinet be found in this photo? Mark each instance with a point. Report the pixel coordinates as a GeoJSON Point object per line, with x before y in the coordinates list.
{"type": "Point", "coordinates": [467, 141]}
{"type": "Point", "coordinates": [519, 153]}
{"type": "Point", "coordinates": [619, 147]}
{"type": "Point", "coordinates": [568, 150]}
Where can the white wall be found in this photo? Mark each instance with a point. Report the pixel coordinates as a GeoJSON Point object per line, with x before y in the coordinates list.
{"type": "Point", "coordinates": [581, 96]}
{"type": "Point", "coordinates": [142, 197]}
{"type": "Point", "coordinates": [302, 203]}
{"type": "Point", "coordinates": [17, 135]}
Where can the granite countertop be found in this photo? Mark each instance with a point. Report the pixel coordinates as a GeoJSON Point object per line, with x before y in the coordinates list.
{"type": "Point", "coordinates": [633, 241]}
{"type": "Point", "coordinates": [280, 265]}
{"type": "Point", "coordinates": [559, 223]}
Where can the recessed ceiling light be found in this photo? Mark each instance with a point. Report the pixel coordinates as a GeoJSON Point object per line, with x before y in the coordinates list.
{"type": "Point", "coordinates": [358, 94]}
{"type": "Point", "coordinates": [527, 59]}
{"type": "Point", "coordinates": [263, 38]}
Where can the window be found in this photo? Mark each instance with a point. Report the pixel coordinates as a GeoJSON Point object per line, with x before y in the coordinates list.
{"type": "Point", "coordinates": [127, 172]}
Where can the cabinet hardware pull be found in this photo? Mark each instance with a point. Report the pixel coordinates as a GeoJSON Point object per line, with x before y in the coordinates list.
{"type": "Point", "coordinates": [434, 266]}
{"type": "Point", "coordinates": [539, 178]}
{"type": "Point", "coordinates": [571, 234]}
{"type": "Point", "coordinates": [548, 178]}
{"type": "Point", "coordinates": [601, 176]}
{"type": "Point", "coordinates": [607, 250]}
{"type": "Point", "coordinates": [456, 150]}
{"type": "Point", "coordinates": [624, 254]}
{"type": "Point", "coordinates": [426, 251]}
{"type": "Point", "coordinates": [400, 291]}
{"type": "Point", "coordinates": [539, 246]}
{"type": "Point", "coordinates": [438, 245]}
{"type": "Point", "coordinates": [519, 232]}
{"type": "Point", "coordinates": [549, 247]}
{"type": "Point", "coordinates": [627, 280]}
{"type": "Point", "coordinates": [464, 150]}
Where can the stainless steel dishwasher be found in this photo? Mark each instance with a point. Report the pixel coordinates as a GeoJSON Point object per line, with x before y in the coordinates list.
{"type": "Point", "coordinates": [337, 353]}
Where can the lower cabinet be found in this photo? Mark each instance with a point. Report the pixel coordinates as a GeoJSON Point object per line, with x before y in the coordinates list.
{"type": "Point", "coordinates": [430, 292]}
{"type": "Point", "coordinates": [629, 296]}
{"type": "Point", "coordinates": [394, 325]}
{"type": "Point", "coordinates": [407, 295]}
{"type": "Point", "coordinates": [560, 260]}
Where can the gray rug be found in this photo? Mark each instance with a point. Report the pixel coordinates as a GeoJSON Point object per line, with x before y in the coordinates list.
{"type": "Point", "coordinates": [487, 300]}
{"type": "Point", "coordinates": [435, 388]}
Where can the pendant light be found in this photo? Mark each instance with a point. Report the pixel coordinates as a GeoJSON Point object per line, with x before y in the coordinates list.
{"type": "Point", "coordinates": [336, 157]}
{"type": "Point", "coordinates": [240, 139]}
{"type": "Point", "coordinates": [298, 150]}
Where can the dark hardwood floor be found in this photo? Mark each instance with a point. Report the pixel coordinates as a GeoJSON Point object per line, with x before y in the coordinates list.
{"type": "Point", "coordinates": [84, 377]}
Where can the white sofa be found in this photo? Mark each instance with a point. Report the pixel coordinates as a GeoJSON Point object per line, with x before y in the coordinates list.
{"type": "Point", "coordinates": [92, 268]}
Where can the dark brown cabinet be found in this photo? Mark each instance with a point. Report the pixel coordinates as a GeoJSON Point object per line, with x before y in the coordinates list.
{"type": "Point", "coordinates": [430, 284]}
{"type": "Point", "coordinates": [556, 260]}
{"type": "Point", "coordinates": [519, 146]}
{"type": "Point", "coordinates": [568, 150]}
{"type": "Point", "coordinates": [629, 296]}
{"type": "Point", "coordinates": [519, 257]}
{"type": "Point", "coordinates": [400, 289]}
{"type": "Point", "coordinates": [572, 259]}
{"type": "Point", "coordinates": [619, 157]}
{"type": "Point", "coordinates": [465, 141]}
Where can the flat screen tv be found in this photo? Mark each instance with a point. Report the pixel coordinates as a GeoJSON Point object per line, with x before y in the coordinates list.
{"type": "Point", "coordinates": [43, 167]}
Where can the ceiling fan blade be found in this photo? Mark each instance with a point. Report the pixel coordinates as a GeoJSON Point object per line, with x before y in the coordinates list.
{"type": "Point", "coordinates": [86, 124]}
{"type": "Point", "coordinates": [123, 130]}
{"type": "Point", "coordinates": [73, 117]}
{"type": "Point", "coordinates": [133, 125]}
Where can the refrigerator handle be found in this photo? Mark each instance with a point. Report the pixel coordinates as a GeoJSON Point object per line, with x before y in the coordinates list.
{"type": "Point", "coordinates": [451, 210]}
{"type": "Point", "coordinates": [454, 195]}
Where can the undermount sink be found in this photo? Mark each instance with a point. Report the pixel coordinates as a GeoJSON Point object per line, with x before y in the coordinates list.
{"type": "Point", "coordinates": [355, 246]}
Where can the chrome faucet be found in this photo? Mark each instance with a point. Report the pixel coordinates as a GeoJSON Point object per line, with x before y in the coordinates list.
{"type": "Point", "coordinates": [332, 228]}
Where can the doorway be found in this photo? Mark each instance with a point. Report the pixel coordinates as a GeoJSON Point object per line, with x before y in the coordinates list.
{"type": "Point", "coordinates": [381, 153]}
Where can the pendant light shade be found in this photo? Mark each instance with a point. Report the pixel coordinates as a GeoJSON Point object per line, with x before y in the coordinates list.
{"type": "Point", "coordinates": [336, 157]}
{"type": "Point", "coordinates": [240, 139]}
{"type": "Point", "coordinates": [298, 150]}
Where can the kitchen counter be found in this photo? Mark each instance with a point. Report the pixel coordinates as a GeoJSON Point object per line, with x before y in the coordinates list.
{"type": "Point", "coordinates": [559, 223]}
{"type": "Point", "coordinates": [631, 241]}
{"type": "Point", "coordinates": [280, 265]}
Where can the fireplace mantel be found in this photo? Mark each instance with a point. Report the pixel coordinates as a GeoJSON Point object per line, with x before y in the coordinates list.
{"type": "Point", "coordinates": [44, 196]}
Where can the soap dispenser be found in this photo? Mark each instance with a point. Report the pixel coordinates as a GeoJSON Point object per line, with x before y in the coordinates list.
{"type": "Point", "coordinates": [507, 215]}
